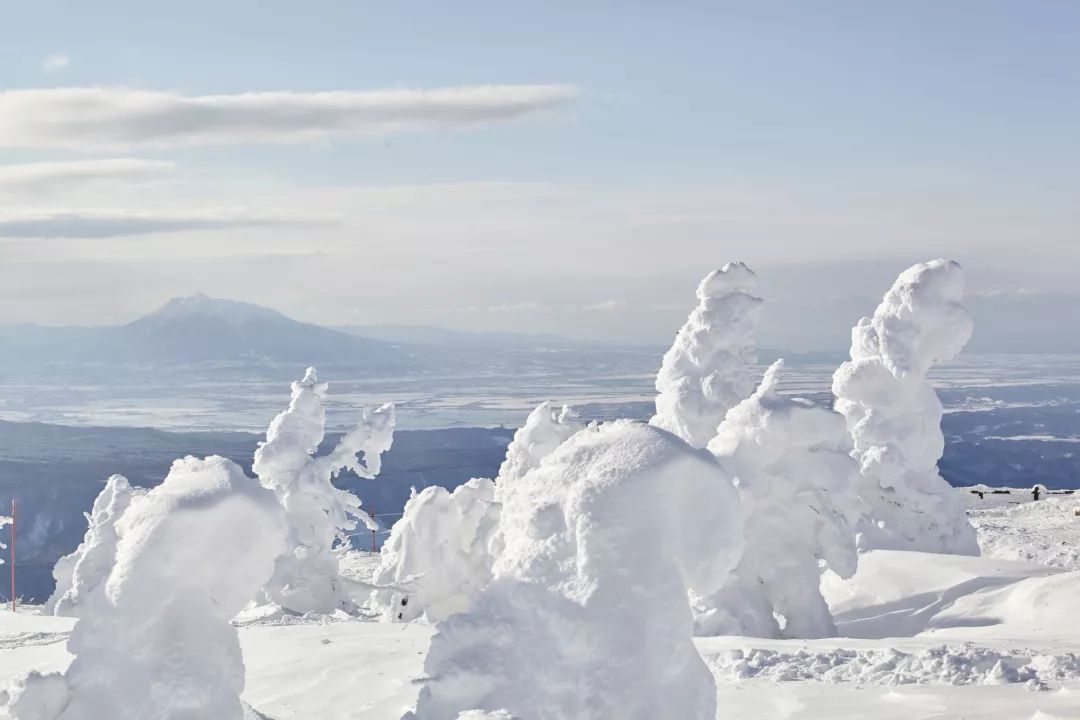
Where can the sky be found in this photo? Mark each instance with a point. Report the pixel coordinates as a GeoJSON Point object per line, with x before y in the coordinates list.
{"type": "Point", "coordinates": [538, 167]}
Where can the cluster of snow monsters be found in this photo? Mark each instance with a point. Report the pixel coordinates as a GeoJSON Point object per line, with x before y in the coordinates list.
{"type": "Point", "coordinates": [717, 517]}
{"type": "Point", "coordinates": [161, 573]}
{"type": "Point", "coordinates": [732, 498]}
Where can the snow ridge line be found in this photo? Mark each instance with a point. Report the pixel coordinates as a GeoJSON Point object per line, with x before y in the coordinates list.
{"type": "Point", "coordinates": [940, 665]}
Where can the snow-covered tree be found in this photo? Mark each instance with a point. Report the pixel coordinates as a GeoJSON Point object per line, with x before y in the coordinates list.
{"type": "Point", "coordinates": [545, 429]}
{"type": "Point", "coordinates": [440, 552]}
{"type": "Point", "coordinates": [587, 614]}
{"type": "Point", "coordinates": [709, 368]}
{"type": "Point", "coordinates": [437, 557]}
{"type": "Point", "coordinates": [154, 640]}
{"type": "Point", "coordinates": [78, 573]}
{"type": "Point", "coordinates": [798, 486]}
{"type": "Point", "coordinates": [894, 415]}
{"type": "Point", "coordinates": [307, 576]}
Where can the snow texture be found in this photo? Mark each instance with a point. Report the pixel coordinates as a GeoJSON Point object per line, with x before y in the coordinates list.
{"type": "Point", "coordinates": [89, 565]}
{"type": "Point", "coordinates": [709, 368]}
{"type": "Point", "coordinates": [154, 640]}
{"type": "Point", "coordinates": [439, 554]}
{"type": "Point", "coordinates": [544, 430]}
{"type": "Point", "coordinates": [948, 665]}
{"type": "Point", "coordinates": [437, 557]}
{"type": "Point", "coordinates": [307, 577]}
{"type": "Point", "coordinates": [798, 485]}
{"type": "Point", "coordinates": [894, 415]}
{"type": "Point", "coordinates": [549, 637]}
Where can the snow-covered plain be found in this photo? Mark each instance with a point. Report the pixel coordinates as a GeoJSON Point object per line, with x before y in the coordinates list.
{"type": "Point", "coordinates": [922, 637]}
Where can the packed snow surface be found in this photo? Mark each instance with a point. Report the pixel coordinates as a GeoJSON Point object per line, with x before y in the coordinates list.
{"type": "Point", "coordinates": [894, 415]}
{"type": "Point", "coordinates": [709, 368]}
{"type": "Point", "coordinates": [548, 637]}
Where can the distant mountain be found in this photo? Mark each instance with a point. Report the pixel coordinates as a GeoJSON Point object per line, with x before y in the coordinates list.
{"type": "Point", "coordinates": [444, 337]}
{"type": "Point", "coordinates": [196, 329]}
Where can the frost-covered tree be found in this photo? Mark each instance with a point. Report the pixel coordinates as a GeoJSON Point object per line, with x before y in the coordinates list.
{"type": "Point", "coordinates": [437, 557]}
{"type": "Point", "coordinates": [587, 614]}
{"type": "Point", "coordinates": [154, 640]}
{"type": "Point", "coordinates": [440, 552]}
{"type": "Point", "coordinates": [78, 573]}
{"type": "Point", "coordinates": [709, 368]}
{"type": "Point", "coordinates": [545, 429]}
{"type": "Point", "coordinates": [307, 577]}
{"type": "Point", "coordinates": [798, 486]}
{"type": "Point", "coordinates": [894, 415]}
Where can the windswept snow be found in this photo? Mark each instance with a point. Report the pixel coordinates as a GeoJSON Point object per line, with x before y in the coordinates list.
{"type": "Point", "coordinates": [798, 486]}
{"type": "Point", "coordinates": [80, 572]}
{"type": "Point", "coordinates": [307, 577]}
{"type": "Point", "coordinates": [709, 368]}
{"type": "Point", "coordinates": [583, 619]}
{"type": "Point", "coordinates": [154, 640]}
{"type": "Point", "coordinates": [437, 557]}
{"type": "Point", "coordinates": [544, 430]}
{"type": "Point", "coordinates": [894, 415]}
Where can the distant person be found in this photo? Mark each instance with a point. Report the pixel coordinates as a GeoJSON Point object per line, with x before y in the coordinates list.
{"type": "Point", "coordinates": [1035, 491]}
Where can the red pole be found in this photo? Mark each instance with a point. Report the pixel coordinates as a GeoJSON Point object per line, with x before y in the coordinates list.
{"type": "Point", "coordinates": [13, 517]}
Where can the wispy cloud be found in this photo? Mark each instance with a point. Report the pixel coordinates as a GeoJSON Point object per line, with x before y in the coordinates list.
{"type": "Point", "coordinates": [96, 118]}
{"type": "Point", "coordinates": [607, 306]}
{"type": "Point", "coordinates": [46, 224]}
{"type": "Point", "coordinates": [47, 176]}
{"type": "Point", "coordinates": [515, 307]}
{"type": "Point", "coordinates": [55, 63]}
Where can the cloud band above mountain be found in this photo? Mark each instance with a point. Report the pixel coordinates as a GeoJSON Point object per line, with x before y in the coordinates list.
{"type": "Point", "coordinates": [81, 118]}
{"type": "Point", "coordinates": [123, 223]}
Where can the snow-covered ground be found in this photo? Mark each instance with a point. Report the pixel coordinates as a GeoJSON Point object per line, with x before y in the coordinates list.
{"type": "Point", "coordinates": [924, 636]}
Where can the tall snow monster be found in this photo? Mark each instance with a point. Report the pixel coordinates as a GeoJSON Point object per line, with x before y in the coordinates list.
{"type": "Point", "coordinates": [894, 415]}
{"type": "Point", "coordinates": [307, 577]}
{"type": "Point", "coordinates": [709, 368]}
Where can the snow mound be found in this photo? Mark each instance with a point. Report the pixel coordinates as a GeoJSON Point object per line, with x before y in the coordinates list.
{"type": "Point", "coordinates": [307, 577]}
{"type": "Point", "coordinates": [942, 665]}
{"type": "Point", "coordinates": [798, 488]}
{"type": "Point", "coordinates": [548, 638]}
{"type": "Point", "coordinates": [894, 415]}
{"type": "Point", "coordinates": [904, 594]}
{"type": "Point", "coordinates": [89, 565]}
{"type": "Point", "coordinates": [154, 640]}
{"type": "Point", "coordinates": [437, 556]}
{"type": "Point", "coordinates": [709, 368]}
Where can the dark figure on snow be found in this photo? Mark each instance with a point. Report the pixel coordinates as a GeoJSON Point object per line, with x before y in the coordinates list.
{"type": "Point", "coordinates": [1035, 492]}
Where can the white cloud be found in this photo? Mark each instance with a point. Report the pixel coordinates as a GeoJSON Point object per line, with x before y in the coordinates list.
{"type": "Point", "coordinates": [607, 305]}
{"type": "Point", "coordinates": [49, 176]}
{"type": "Point", "coordinates": [55, 63]}
{"type": "Point", "coordinates": [45, 224]}
{"type": "Point", "coordinates": [515, 307]}
{"type": "Point", "coordinates": [82, 118]}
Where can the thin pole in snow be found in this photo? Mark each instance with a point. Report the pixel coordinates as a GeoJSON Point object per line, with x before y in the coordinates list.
{"type": "Point", "coordinates": [13, 521]}
{"type": "Point", "coordinates": [371, 512]}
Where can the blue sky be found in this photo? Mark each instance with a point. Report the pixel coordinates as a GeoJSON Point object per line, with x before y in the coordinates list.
{"type": "Point", "coordinates": [817, 135]}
